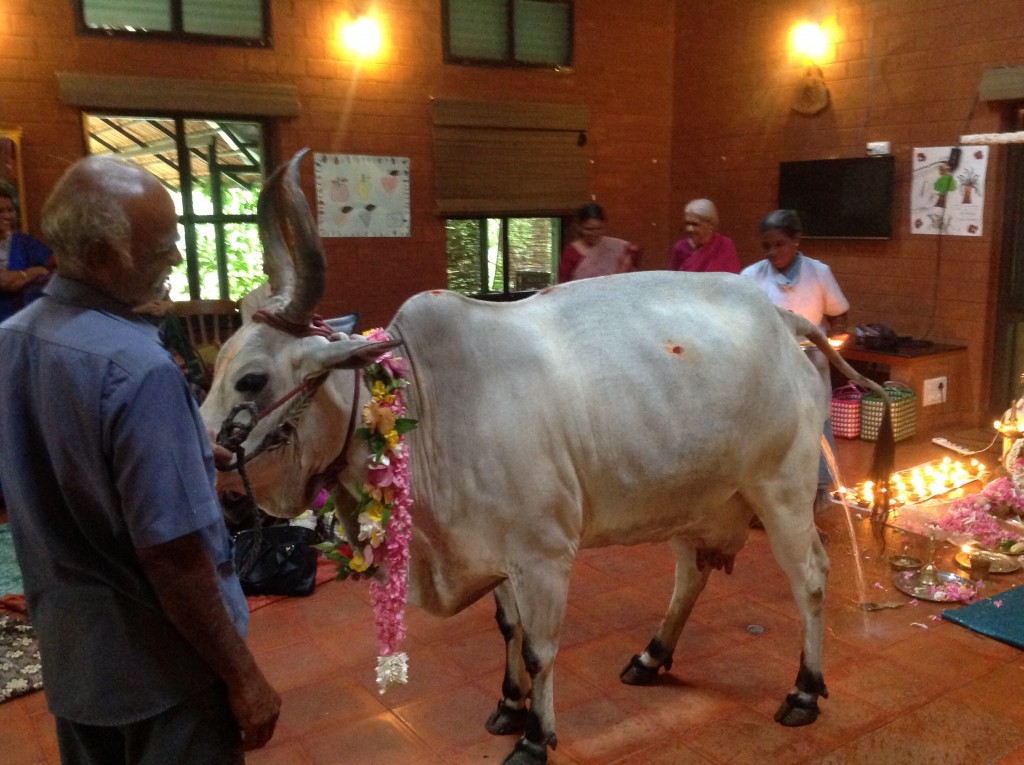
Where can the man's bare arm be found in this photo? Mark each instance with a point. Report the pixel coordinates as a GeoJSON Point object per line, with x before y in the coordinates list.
{"type": "Point", "coordinates": [182, 573]}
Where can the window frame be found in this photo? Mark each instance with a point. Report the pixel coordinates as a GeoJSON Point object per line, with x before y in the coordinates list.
{"type": "Point", "coordinates": [189, 220]}
{"type": "Point", "coordinates": [177, 32]}
{"type": "Point", "coordinates": [558, 242]}
{"type": "Point", "coordinates": [509, 60]}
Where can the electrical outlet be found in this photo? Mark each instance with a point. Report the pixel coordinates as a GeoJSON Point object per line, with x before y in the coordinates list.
{"type": "Point", "coordinates": [935, 391]}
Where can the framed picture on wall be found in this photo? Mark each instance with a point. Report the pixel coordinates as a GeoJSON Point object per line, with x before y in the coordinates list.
{"type": "Point", "coordinates": [11, 175]}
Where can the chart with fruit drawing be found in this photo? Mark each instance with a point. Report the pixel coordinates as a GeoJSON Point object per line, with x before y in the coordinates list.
{"type": "Point", "coordinates": [947, 193]}
{"type": "Point", "coordinates": [360, 195]}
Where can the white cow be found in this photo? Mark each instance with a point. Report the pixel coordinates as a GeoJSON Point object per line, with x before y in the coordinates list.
{"type": "Point", "coordinates": [619, 410]}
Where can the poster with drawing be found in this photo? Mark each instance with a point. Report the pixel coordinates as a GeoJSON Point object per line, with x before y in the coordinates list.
{"type": "Point", "coordinates": [947, 194]}
{"type": "Point", "coordinates": [11, 176]}
{"type": "Point", "coordinates": [359, 195]}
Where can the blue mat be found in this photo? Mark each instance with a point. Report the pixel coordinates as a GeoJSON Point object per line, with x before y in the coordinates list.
{"type": "Point", "coordinates": [1000, 617]}
{"type": "Point", "coordinates": [10, 574]}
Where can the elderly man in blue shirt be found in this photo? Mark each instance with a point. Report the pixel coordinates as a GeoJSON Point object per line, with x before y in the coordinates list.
{"type": "Point", "coordinates": [109, 482]}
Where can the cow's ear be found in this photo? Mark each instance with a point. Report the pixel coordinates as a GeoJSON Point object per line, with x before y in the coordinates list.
{"type": "Point", "coordinates": [349, 352]}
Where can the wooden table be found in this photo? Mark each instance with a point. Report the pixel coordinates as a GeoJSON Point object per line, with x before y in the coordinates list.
{"type": "Point", "coordinates": [939, 360]}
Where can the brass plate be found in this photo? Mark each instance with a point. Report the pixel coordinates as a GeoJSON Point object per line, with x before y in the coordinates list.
{"type": "Point", "coordinates": [905, 563]}
{"type": "Point", "coordinates": [998, 563]}
{"type": "Point", "coordinates": [908, 583]}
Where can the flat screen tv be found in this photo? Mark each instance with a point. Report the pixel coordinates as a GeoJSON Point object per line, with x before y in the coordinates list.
{"type": "Point", "coordinates": [840, 198]}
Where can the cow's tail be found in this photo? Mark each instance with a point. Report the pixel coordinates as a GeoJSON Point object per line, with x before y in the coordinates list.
{"type": "Point", "coordinates": [884, 456]}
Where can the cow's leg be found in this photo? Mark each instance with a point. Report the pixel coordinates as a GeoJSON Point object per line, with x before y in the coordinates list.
{"type": "Point", "coordinates": [799, 551]}
{"type": "Point", "coordinates": [689, 583]}
{"type": "Point", "coordinates": [511, 714]}
{"type": "Point", "coordinates": [541, 590]}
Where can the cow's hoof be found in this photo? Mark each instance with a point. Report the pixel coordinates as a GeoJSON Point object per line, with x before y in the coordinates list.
{"type": "Point", "coordinates": [527, 753]}
{"type": "Point", "coordinates": [506, 720]}
{"type": "Point", "coordinates": [795, 712]}
{"type": "Point", "coordinates": [638, 673]}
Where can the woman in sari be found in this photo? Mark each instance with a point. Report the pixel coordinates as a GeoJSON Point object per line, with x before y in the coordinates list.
{"type": "Point", "coordinates": [703, 249]}
{"type": "Point", "coordinates": [25, 262]}
{"type": "Point", "coordinates": [592, 253]}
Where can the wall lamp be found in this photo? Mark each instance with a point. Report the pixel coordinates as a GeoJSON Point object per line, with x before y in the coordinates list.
{"type": "Point", "coordinates": [811, 43]}
{"type": "Point", "coordinates": [361, 36]}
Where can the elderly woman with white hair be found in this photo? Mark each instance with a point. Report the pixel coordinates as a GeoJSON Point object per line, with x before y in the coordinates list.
{"type": "Point", "coordinates": [703, 249]}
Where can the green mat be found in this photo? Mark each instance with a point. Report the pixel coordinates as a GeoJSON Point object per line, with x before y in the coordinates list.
{"type": "Point", "coordinates": [10, 574]}
{"type": "Point", "coordinates": [1000, 617]}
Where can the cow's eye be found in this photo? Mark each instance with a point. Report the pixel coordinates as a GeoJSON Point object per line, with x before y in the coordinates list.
{"type": "Point", "coordinates": [251, 383]}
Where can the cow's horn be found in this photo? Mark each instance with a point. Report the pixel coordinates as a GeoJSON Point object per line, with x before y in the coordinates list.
{"type": "Point", "coordinates": [301, 278]}
{"type": "Point", "coordinates": [276, 262]}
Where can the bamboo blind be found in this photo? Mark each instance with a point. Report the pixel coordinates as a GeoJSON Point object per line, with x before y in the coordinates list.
{"type": "Point", "coordinates": [510, 158]}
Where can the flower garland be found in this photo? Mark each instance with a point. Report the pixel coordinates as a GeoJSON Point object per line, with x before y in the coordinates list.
{"type": "Point", "coordinates": [1014, 462]}
{"type": "Point", "coordinates": [979, 516]}
{"type": "Point", "coordinates": [382, 509]}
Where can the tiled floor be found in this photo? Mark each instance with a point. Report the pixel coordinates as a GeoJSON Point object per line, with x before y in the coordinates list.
{"type": "Point", "coordinates": [905, 686]}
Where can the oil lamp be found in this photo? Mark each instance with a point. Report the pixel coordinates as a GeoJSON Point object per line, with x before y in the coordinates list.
{"type": "Point", "coordinates": [919, 483]}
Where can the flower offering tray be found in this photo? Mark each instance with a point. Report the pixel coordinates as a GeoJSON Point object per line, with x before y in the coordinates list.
{"type": "Point", "coordinates": [951, 588]}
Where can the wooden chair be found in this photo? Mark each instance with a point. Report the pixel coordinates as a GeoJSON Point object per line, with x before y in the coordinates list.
{"type": "Point", "coordinates": [208, 323]}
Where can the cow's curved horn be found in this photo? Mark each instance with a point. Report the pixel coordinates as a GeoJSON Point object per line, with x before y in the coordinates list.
{"type": "Point", "coordinates": [276, 261]}
{"type": "Point", "coordinates": [302, 277]}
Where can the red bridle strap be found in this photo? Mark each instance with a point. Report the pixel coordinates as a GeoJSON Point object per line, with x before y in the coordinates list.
{"type": "Point", "coordinates": [316, 327]}
{"type": "Point", "coordinates": [306, 384]}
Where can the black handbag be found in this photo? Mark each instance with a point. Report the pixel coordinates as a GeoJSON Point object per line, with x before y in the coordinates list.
{"type": "Point", "coordinates": [276, 560]}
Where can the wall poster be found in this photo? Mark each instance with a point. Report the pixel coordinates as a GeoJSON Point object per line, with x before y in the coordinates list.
{"type": "Point", "coordinates": [11, 175]}
{"type": "Point", "coordinates": [360, 195]}
{"type": "Point", "coordinates": [947, 194]}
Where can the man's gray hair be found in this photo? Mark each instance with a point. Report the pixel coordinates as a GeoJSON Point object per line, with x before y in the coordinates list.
{"type": "Point", "coordinates": [85, 209]}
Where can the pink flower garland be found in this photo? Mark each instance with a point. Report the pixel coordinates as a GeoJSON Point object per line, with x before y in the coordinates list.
{"type": "Point", "coordinates": [389, 596]}
{"type": "Point", "coordinates": [383, 502]}
{"type": "Point", "coordinates": [978, 515]}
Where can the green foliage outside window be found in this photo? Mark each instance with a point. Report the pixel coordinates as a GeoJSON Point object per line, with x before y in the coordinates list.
{"type": "Point", "coordinates": [464, 256]}
{"type": "Point", "coordinates": [213, 169]}
{"type": "Point", "coordinates": [242, 250]}
{"type": "Point", "coordinates": [478, 261]}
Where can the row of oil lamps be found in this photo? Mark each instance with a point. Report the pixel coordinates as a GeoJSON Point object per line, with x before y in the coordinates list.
{"type": "Point", "coordinates": [917, 484]}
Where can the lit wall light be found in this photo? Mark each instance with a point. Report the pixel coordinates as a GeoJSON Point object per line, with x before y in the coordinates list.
{"type": "Point", "coordinates": [811, 43]}
{"type": "Point", "coordinates": [362, 37]}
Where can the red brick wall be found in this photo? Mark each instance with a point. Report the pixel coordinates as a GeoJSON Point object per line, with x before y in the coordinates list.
{"type": "Point", "coordinates": [905, 72]}
{"type": "Point", "coordinates": [687, 99]}
{"type": "Point", "coordinates": [623, 72]}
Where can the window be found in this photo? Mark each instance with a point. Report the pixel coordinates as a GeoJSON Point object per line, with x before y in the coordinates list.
{"type": "Point", "coordinates": [495, 258]}
{"type": "Point", "coordinates": [509, 32]}
{"type": "Point", "coordinates": [214, 171]}
{"type": "Point", "coordinates": [238, 22]}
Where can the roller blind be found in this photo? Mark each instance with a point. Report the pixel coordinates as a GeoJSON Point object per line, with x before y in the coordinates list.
{"type": "Point", "coordinates": [510, 158]}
